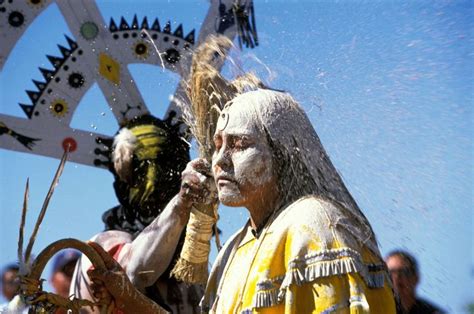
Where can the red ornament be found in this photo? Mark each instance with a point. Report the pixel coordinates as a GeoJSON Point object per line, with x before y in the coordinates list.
{"type": "Point", "coordinates": [70, 143]}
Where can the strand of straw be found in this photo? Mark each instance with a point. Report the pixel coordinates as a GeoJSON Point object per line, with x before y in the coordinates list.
{"type": "Point", "coordinates": [22, 224]}
{"type": "Point", "coordinates": [45, 206]}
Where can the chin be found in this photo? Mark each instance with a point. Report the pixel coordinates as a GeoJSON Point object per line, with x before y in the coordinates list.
{"type": "Point", "coordinates": [230, 198]}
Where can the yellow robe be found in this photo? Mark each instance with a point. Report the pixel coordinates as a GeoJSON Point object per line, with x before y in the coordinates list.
{"type": "Point", "coordinates": [305, 261]}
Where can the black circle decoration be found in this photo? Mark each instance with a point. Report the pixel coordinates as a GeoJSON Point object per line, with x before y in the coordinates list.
{"type": "Point", "coordinates": [76, 80]}
{"type": "Point", "coordinates": [140, 49]}
{"type": "Point", "coordinates": [16, 19]}
{"type": "Point", "coordinates": [172, 55]}
{"type": "Point", "coordinates": [58, 107]}
{"type": "Point", "coordinates": [35, 2]}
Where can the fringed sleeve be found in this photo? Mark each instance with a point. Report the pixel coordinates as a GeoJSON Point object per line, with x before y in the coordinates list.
{"type": "Point", "coordinates": [324, 271]}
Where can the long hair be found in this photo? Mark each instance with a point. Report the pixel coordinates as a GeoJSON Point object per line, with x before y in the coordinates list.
{"type": "Point", "coordinates": [300, 162]}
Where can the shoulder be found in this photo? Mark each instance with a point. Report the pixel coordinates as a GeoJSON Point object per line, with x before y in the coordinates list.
{"type": "Point", "coordinates": [310, 232]}
{"type": "Point", "coordinates": [309, 209]}
{"type": "Point", "coordinates": [111, 238]}
{"type": "Point", "coordinates": [308, 219]}
{"type": "Point", "coordinates": [424, 306]}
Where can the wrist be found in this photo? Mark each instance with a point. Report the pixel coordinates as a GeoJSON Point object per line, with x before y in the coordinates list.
{"type": "Point", "coordinates": [182, 207]}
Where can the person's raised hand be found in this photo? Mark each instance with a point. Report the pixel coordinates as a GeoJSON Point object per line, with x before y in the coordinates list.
{"type": "Point", "coordinates": [197, 183]}
{"type": "Point", "coordinates": [111, 282]}
{"type": "Point", "coordinates": [112, 287]}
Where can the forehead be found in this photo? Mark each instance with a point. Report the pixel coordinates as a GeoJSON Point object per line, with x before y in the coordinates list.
{"type": "Point", "coordinates": [238, 120]}
{"type": "Point", "coordinates": [9, 274]}
{"type": "Point", "coordinates": [396, 261]}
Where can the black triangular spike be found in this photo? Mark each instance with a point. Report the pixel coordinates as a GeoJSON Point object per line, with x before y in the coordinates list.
{"type": "Point", "coordinates": [64, 51]}
{"type": "Point", "coordinates": [144, 23]}
{"type": "Point", "coordinates": [55, 61]}
{"type": "Point", "coordinates": [47, 74]}
{"type": "Point", "coordinates": [28, 109]}
{"type": "Point", "coordinates": [190, 37]}
{"type": "Point", "coordinates": [112, 26]}
{"type": "Point", "coordinates": [135, 22]}
{"type": "Point", "coordinates": [156, 26]}
{"type": "Point", "coordinates": [34, 96]}
{"type": "Point", "coordinates": [167, 28]}
{"type": "Point", "coordinates": [40, 85]}
{"type": "Point", "coordinates": [71, 42]}
{"type": "Point", "coordinates": [179, 31]}
{"type": "Point", "coordinates": [124, 25]}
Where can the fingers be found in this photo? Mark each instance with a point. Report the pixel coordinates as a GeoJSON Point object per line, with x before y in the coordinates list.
{"type": "Point", "coordinates": [197, 171]}
{"type": "Point", "coordinates": [197, 183]}
{"type": "Point", "coordinates": [191, 191]}
{"type": "Point", "coordinates": [98, 289]}
{"type": "Point", "coordinates": [194, 189]}
{"type": "Point", "coordinates": [99, 279]}
{"type": "Point", "coordinates": [200, 165]}
{"type": "Point", "coordinates": [97, 274]}
{"type": "Point", "coordinates": [109, 261]}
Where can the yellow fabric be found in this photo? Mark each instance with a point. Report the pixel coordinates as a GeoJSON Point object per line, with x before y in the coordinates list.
{"type": "Point", "coordinates": [263, 268]}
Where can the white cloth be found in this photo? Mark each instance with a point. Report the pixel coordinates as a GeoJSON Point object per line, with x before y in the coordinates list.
{"type": "Point", "coordinates": [15, 306]}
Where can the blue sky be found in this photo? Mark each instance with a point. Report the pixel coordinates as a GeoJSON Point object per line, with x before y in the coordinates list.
{"type": "Point", "coordinates": [387, 85]}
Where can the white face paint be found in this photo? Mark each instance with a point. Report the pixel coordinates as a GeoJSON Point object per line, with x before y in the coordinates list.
{"type": "Point", "coordinates": [242, 163]}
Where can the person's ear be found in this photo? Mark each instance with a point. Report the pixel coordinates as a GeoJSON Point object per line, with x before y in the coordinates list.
{"type": "Point", "coordinates": [417, 279]}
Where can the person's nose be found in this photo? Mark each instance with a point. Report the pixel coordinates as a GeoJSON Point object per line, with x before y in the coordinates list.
{"type": "Point", "coordinates": [222, 159]}
{"type": "Point", "coordinates": [396, 279]}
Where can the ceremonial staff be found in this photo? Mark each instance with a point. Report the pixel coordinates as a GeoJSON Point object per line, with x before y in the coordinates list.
{"type": "Point", "coordinates": [208, 92]}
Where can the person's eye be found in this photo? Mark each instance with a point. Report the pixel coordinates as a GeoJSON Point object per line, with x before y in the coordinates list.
{"type": "Point", "coordinates": [241, 143]}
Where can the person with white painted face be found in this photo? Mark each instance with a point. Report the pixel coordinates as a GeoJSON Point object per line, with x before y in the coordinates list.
{"type": "Point", "coordinates": [307, 247]}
